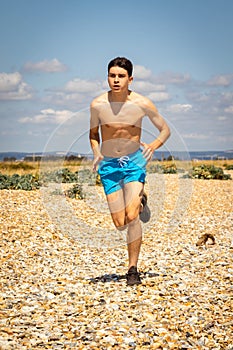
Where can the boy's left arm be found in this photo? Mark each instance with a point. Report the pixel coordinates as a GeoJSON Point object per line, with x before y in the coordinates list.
{"type": "Point", "coordinates": [159, 122]}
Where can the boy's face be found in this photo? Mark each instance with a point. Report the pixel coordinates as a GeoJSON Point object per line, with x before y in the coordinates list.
{"type": "Point", "coordinates": [118, 79]}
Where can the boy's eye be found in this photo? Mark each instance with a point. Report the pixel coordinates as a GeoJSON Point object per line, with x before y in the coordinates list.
{"type": "Point", "coordinates": [119, 75]}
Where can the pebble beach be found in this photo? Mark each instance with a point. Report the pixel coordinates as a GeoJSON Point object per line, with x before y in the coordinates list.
{"type": "Point", "coordinates": [63, 268]}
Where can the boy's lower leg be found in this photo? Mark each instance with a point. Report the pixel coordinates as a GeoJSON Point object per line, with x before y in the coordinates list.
{"type": "Point", "coordinates": [134, 241]}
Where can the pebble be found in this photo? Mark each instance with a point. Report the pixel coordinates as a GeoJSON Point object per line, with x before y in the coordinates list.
{"type": "Point", "coordinates": [63, 280]}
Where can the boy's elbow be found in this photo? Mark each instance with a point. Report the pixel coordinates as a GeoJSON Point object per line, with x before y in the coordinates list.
{"type": "Point", "coordinates": [168, 132]}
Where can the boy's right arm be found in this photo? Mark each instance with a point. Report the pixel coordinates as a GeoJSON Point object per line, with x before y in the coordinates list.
{"type": "Point", "coordinates": [95, 137]}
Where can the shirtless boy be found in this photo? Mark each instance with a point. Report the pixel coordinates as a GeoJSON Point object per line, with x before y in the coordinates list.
{"type": "Point", "coordinates": [118, 156]}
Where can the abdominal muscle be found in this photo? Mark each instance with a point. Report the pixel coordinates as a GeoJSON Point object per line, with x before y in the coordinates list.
{"type": "Point", "coordinates": [120, 142]}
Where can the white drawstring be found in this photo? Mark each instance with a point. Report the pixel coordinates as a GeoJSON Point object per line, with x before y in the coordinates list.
{"type": "Point", "coordinates": [123, 160]}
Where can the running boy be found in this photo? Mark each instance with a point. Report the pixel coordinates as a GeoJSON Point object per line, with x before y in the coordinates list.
{"type": "Point", "coordinates": [120, 161]}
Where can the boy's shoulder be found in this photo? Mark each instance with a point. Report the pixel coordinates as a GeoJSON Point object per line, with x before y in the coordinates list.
{"type": "Point", "coordinates": [103, 98]}
{"type": "Point", "coordinates": [141, 100]}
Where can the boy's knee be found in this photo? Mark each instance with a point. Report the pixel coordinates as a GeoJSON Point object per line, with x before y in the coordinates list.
{"type": "Point", "coordinates": [120, 225]}
{"type": "Point", "coordinates": [121, 228]}
{"type": "Point", "coordinates": [132, 217]}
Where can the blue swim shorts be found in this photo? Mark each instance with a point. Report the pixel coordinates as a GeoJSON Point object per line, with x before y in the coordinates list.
{"type": "Point", "coordinates": [116, 172]}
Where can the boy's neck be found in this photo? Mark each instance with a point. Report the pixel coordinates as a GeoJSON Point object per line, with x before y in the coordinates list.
{"type": "Point", "coordinates": [118, 96]}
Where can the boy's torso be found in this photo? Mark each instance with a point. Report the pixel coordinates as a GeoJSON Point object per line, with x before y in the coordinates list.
{"type": "Point", "coordinates": [120, 125]}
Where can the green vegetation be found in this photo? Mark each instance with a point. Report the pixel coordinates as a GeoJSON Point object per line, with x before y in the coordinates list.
{"type": "Point", "coordinates": [229, 167]}
{"type": "Point", "coordinates": [208, 172]}
{"type": "Point", "coordinates": [26, 182]}
{"type": "Point", "coordinates": [203, 171]}
{"type": "Point", "coordinates": [75, 192]}
{"type": "Point", "coordinates": [163, 168]}
{"type": "Point", "coordinates": [31, 180]}
{"type": "Point", "coordinates": [65, 175]}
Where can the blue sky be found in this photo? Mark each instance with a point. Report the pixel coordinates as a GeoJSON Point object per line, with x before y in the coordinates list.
{"type": "Point", "coordinates": [54, 55]}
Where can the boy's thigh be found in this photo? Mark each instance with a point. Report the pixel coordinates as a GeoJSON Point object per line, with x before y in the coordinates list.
{"type": "Point", "coordinates": [116, 201]}
{"type": "Point", "coordinates": [116, 204]}
{"type": "Point", "coordinates": [133, 192]}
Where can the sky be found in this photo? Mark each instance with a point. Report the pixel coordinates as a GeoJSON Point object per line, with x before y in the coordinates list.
{"type": "Point", "coordinates": [54, 56]}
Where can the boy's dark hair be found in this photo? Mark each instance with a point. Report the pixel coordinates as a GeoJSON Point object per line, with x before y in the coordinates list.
{"type": "Point", "coordinates": [121, 62]}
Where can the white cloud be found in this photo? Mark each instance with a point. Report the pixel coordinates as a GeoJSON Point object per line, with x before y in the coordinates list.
{"type": "Point", "coordinates": [48, 116]}
{"type": "Point", "coordinates": [159, 96]}
{"type": "Point", "coordinates": [64, 99]}
{"type": "Point", "coordinates": [221, 118]}
{"type": "Point", "coordinates": [47, 66]}
{"type": "Point", "coordinates": [227, 96]}
{"type": "Point", "coordinates": [9, 82]}
{"type": "Point", "coordinates": [76, 91]}
{"type": "Point", "coordinates": [146, 86]}
{"type": "Point", "coordinates": [229, 109]}
{"type": "Point", "coordinates": [12, 87]}
{"type": "Point", "coordinates": [195, 136]}
{"type": "Point", "coordinates": [221, 80]}
{"type": "Point", "coordinates": [141, 72]}
{"type": "Point", "coordinates": [179, 108]}
{"type": "Point", "coordinates": [83, 86]}
{"type": "Point", "coordinates": [173, 78]}
{"type": "Point", "coordinates": [198, 97]}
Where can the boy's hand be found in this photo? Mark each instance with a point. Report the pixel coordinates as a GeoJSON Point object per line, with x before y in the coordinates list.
{"type": "Point", "coordinates": [147, 151]}
{"type": "Point", "coordinates": [96, 161]}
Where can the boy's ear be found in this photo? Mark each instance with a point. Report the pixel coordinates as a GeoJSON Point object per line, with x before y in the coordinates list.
{"type": "Point", "coordinates": [130, 80]}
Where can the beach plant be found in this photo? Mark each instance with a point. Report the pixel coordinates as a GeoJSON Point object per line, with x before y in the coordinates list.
{"type": "Point", "coordinates": [86, 176]}
{"type": "Point", "coordinates": [208, 172]}
{"type": "Point", "coordinates": [25, 182]}
{"type": "Point", "coordinates": [65, 175]}
{"type": "Point", "coordinates": [171, 169]}
{"type": "Point", "coordinates": [162, 169]}
{"type": "Point", "coordinates": [30, 182]}
{"type": "Point", "coordinates": [229, 167]}
{"type": "Point", "coordinates": [59, 176]}
{"type": "Point", "coordinates": [75, 191]}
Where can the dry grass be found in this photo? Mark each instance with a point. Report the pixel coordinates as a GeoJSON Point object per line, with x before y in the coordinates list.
{"type": "Point", "coordinates": [21, 168]}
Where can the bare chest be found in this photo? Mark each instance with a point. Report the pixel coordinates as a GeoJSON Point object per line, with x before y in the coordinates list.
{"type": "Point", "coordinates": [120, 116]}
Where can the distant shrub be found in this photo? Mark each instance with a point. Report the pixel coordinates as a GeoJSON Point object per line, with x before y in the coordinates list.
{"type": "Point", "coordinates": [169, 169]}
{"type": "Point", "coordinates": [30, 182]}
{"type": "Point", "coordinates": [229, 167]}
{"type": "Point", "coordinates": [75, 192]}
{"type": "Point", "coordinates": [26, 182]}
{"type": "Point", "coordinates": [162, 169]}
{"type": "Point", "coordinates": [66, 176]}
{"type": "Point", "coordinates": [59, 176]}
{"type": "Point", "coordinates": [208, 172]}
